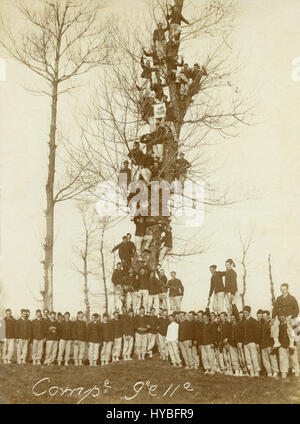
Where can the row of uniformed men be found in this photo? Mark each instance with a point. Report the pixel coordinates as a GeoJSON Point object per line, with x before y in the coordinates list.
{"type": "Point", "coordinates": [233, 344]}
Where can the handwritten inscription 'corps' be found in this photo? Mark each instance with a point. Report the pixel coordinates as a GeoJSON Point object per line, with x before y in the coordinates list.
{"type": "Point", "coordinates": [43, 387]}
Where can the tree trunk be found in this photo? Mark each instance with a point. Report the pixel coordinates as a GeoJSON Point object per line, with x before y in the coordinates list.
{"type": "Point", "coordinates": [104, 274]}
{"type": "Point", "coordinates": [271, 281]}
{"type": "Point", "coordinates": [85, 273]}
{"type": "Point", "coordinates": [47, 292]}
{"type": "Point", "coordinates": [49, 239]}
{"type": "Point", "coordinates": [244, 284]}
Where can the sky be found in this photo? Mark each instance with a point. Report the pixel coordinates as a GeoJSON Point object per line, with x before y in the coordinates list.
{"type": "Point", "coordinates": [262, 161]}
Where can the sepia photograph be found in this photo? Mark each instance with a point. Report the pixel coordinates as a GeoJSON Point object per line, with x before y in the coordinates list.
{"type": "Point", "coordinates": [149, 204]}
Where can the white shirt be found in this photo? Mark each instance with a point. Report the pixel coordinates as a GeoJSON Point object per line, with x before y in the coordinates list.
{"type": "Point", "coordinates": [172, 332]}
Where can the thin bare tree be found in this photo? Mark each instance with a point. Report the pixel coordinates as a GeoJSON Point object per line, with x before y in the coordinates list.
{"type": "Point", "coordinates": [271, 280]}
{"type": "Point", "coordinates": [60, 41]}
{"type": "Point", "coordinates": [246, 241]}
{"type": "Point", "coordinates": [86, 249]}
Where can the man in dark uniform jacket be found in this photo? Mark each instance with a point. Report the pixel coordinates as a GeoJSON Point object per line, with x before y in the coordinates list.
{"type": "Point", "coordinates": [141, 338]}
{"type": "Point", "coordinates": [285, 305]}
{"type": "Point", "coordinates": [9, 337]}
{"type": "Point", "coordinates": [152, 323]}
{"type": "Point", "coordinates": [65, 340]}
{"type": "Point", "coordinates": [52, 336]}
{"type": "Point", "coordinates": [128, 335]}
{"type": "Point", "coordinates": [266, 343]}
{"type": "Point", "coordinates": [185, 337]}
{"type": "Point", "coordinates": [207, 346]}
{"type": "Point", "coordinates": [79, 337]}
{"type": "Point", "coordinates": [251, 340]}
{"type": "Point", "coordinates": [38, 335]}
{"type": "Point", "coordinates": [217, 289]}
{"type": "Point", "coordinates": [107, 337]}
{"type": "Point", "coordinates": [23, 335]}
{"type": "Point", "coordinates": [162, 326]}
{"type": "Point", "coordinates": [94, 339]}
{"type": "Point", "coordinates": [117, 332]}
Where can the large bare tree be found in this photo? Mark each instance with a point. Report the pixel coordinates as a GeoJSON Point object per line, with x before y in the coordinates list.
{"type": "Point", "coordinates": [208, 114]}
{"type": "Point", "coordinates": [59, 41]}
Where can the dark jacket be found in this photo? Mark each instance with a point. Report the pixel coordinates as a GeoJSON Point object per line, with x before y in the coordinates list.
{"type": "Point", "coordinates": [94, 332]}
{"type": "Point", "coordinates": [215, 336]}
{"type": "Point", "coordinates": [125, 250]}
{"type": "Point", "coordinates": [23, 329]}
{"type": "Point", "coordinates": [132, 282]}
{"type": "Point", "coordinates": [216, 284]}
{"type": "Point", "coordinates": [162, 326]}
{"type": "Point", "coordinates": [137, 155]}
{"type": "Point", "coordinates": [233, 334]}
{"type": "Point", "coordinates": [66, 330]}
{"type": "Point", "coordinates": [117, 328]}
{"type": "Point", "coordinates": [283, 335]}
{"type": "Point", "coordinates": [38, 329]}
{"type": "Point", "coordinates": [154, 286]}
{"type": "Point", "coordinates": [286, 305]}
{"type": "Point", "coordinates": [198, 332]}
{"type": "Point", "coordinates": [140, 226]}
{"type": "Point", "coordinates": [118, 277]}
{"type": "Point", "coordinates": [159, 34]}
{"type": "Point", "coordinates": [206, 334]}
{"type": "Point", "coordinates": [107, 335]}
{"type": "Point", "coordinates": [240, 331]}
{"type": "Point", "coordinates": [146, 70]}
{"type": "Point", "coordinates": [163, 281]}
{"type": "Point", "coordinates": [129, 325]}
{"type": "Point", "coordinates": [141, 322]}
{"type": "Point", "coordinates": [266, 339]}
{"type": "Point", "coordinates": [152, 321]}
{"type": "Point", "coordinates": [52, 331]}
{"type": "Point", "coordinates": [230, 281]}
{"type": "Point", "coordinates": [79, 330]}
{"type": "Point", "coordinates": [223, 331]}
{"type": "Point", "coordinates": [168, 239]}
{"type": "Point", "coordinates": [9, 326]}
{"type": "Point", "coordinates": [251, 331]}
{"type": "Point", "coordinates": [176, 287]}
{"type": "Point", "coordinates": [144, 282]}
{"type": "Point", "coordinates": [185, 331]}
{"type": "Point", "coordinates": [176, 18]}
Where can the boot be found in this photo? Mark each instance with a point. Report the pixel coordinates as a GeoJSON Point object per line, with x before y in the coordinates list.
{"type": "Point", "coordinates": [66, 363]}
{"type": "Point", "coordinates": [59, 363]}
{"type": "Point", "coordinates": [275, 375]}
{"type": "Point", "coordinates": [76, 363]}
{"type": "Point", "coordinates": [283, 374]}
{"type": "Point", "coordinates": [143, 356]}
{"type": "Point", "coordinates": [80, 362]}
{"type": "Point", "coordinates": [95, 363]}
{"type": "Point", "coordinates": [33, 362]}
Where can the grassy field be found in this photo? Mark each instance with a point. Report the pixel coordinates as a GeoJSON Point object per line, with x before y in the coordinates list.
{"type": "Point", "coordinates": [138, 382]}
